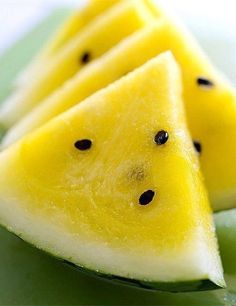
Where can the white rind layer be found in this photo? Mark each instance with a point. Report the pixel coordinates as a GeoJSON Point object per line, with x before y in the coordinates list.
{"type": "Point", "coordinates": [195, 262]}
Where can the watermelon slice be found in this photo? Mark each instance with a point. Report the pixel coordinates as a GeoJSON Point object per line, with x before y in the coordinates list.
{"type": "Point", "coordinates": [202, 100]}
{"type": "Point", "coordinates": [100, 35]}
{"type": "Point", "coordinates": [113, 186]}
{"type": "Point", "coordinates": [69, 29]}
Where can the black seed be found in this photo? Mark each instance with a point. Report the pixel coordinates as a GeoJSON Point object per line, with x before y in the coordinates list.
{"type": "Point", "coordinates": [83, 144]}
{"type": "Point", "coordinates": [203, 82]}
{"type": "Point", "coordinates": [85, 58]}
{"type": "Point", "coordinates": [161, 137]}
{"type": "Point", "coordinates": [197, 146]}
{"type": "Point", "coordinates": [146, 197]}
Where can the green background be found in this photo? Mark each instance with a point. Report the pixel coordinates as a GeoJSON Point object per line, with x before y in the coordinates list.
{"type": "Point", "coordinates": [31, 277]}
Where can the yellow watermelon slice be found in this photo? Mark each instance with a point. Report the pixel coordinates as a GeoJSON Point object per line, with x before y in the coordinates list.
{"type": "Point", "coordinates": [69, 29]}
{"type": "Point", "coordinates": [100, 35]}
{"type": "Point", "coordinates": [114, 186]}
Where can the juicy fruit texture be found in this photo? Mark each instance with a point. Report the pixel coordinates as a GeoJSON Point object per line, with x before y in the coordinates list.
{"type": "Point", "coordinates": [210, 101]}
{"type": "Point", "coordinates": [75, 23]}
{"type": "Point", "coordinates": [100, 35]}
{"type": "Point", "coordinates": [76, 187]}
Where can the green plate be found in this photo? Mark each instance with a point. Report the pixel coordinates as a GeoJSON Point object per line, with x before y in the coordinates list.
{"type": "Point", "coordinates": [30, 277]}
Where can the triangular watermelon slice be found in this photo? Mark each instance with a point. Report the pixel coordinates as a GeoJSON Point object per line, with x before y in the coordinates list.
{"type": "Point", "coordinates": [98, 37]}
{"type": "Point", "coordinates": [114, 186]}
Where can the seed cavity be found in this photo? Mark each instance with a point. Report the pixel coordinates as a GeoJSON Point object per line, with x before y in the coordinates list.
{"type": "Point", "coordinates": [198, 146]}
{"type": "Point", "coordinates": [146, 197]}
{"type": "Point", "coordinates": [204, 82]}
{"type": "Point", "coordinates": [85, 58]}
{"type": "Point", "coordinates": [83, 144]}
{"type": "Point", "coordinates": [161, 137]}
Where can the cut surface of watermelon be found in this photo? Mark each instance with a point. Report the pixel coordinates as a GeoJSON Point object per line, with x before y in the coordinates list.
{"type": "Point", "coordinates": [93, 41]}
{"type": "Point", "coordinates": [77, 20]}
{"type": "Point", "coordinates": [99, 186]}
{"type": "Point", "coordinates": [68, 30]}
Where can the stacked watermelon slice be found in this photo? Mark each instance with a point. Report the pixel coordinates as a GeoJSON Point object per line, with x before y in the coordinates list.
{"type": "Point", "coordinates": [119, 139]}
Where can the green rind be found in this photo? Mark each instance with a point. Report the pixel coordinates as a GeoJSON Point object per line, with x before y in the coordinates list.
{"type": "Point", "coordinates": [174, 287]}
{"type": "Point", "coordinates": [31, 277]}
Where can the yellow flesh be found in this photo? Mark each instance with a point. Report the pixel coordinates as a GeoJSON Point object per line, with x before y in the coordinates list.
{"type": "Point", "coordinates": [85, 205]}
{"type": "Point", "coordinates": [102, 34]}
{"type": "Point", "coordinates": [211, 113]}
{"type": "Point", "coordinates": [75, 23]}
